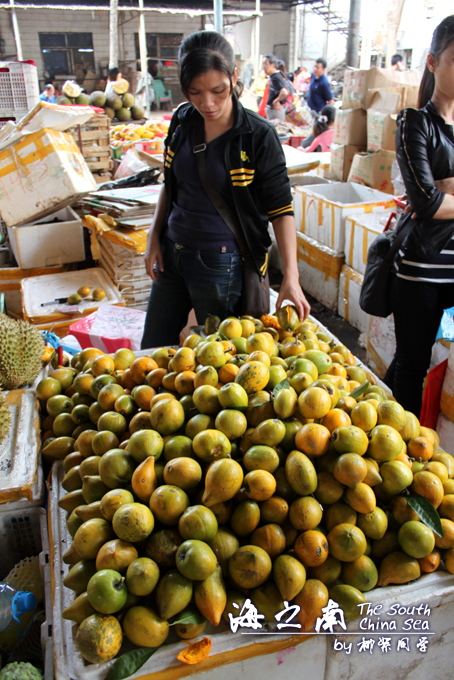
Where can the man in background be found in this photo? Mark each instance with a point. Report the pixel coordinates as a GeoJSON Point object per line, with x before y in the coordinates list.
{"type": "Point", "coordinates": [319, 88]}
{"type": "Point", "coordinates": [396, 62]}
{"type": "Point", "coordinates": [113, 76]}
{"type": "Point", "coordinates": [48, 94]}
{"type": "Point", "coordinates": [278, 92]}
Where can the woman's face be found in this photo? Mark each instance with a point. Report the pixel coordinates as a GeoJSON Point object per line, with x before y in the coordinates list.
{"type": "Point", "coordinates": [443, 68]}
{"type": "Point", "coordinates": [210, 94]}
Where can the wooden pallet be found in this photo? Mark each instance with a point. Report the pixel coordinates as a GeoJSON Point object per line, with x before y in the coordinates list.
{"type": "Point", "coordinates": [93, 139]}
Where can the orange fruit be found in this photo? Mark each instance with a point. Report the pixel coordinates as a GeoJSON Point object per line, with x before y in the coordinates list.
{"type": "Point", "coordinates": [337, 369]}
{"type": "Point", "coordinates": [438, 469]}
{"type": "Point", "coordinates": [311, 548]}
{"type": "Point", "coordinates": [227, 373]}
{"type": "Point", "coordinates": [140, 368]}
{"type": "Point", "coordinates": [361, 498]}
{"type": "Point", "coordinates": [184, 382]}
{"type": "Point", "coordinates": [429, 485]}
{"type": "Point", "coordinates": [431, 562]}
{"type": "Point", "coordinates": [328, 490]}
{"type": "Point", "coordinates": [313, 439]}
{"type": "Point", "coordinates": [347, 542]}
{"type": "Point", "coordinates": [420, 448]}
{"type": "Point", "coordinates": [311, 599]}
{"type": "Point", "coordinates": [350, 469]}
{"type": "Point", "coordinates": [103, 365]}
{"type": "Point", "coordinates": [335, 418]}
{"type": "Point", "coordinates": [338, 513]}
{"type": "Point", "coordinates": [305, 513]}
{"type": "Point", "coordinates": [154, 377]}
{"type": "Point", "coordinates": [448, 534]}
{"type": "Point", "coordinates": [142, 395]}
{"type": "Point", "coordinates": [168, 381]}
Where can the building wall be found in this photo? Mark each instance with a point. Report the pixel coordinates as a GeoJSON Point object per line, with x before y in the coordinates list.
{"type": "Point", "coordinates": [33, 22]}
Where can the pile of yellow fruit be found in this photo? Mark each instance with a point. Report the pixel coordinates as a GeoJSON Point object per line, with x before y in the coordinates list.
{"type": "Point", "coordinates": [258, 462]}
{"type": "Point", "coordinates": [132, 132]}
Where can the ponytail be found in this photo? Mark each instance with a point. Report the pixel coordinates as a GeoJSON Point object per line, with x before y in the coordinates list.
{"type": "Point", "coordinates": [441, 39]}
{"type": "Point", "coordinates": [426, 88]}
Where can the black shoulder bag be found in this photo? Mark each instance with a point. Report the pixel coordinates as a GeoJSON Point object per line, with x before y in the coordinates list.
{"type": "Point", "coordinates": [374, 298]}
{"type": "Point", "coordinates": [255, 294]}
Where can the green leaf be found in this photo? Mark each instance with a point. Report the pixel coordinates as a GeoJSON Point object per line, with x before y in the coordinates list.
{"type": "Point", "coordinates": [189, 616]}
{"type": "Point", "coordinates": [129, 663]}
{"type": "Point", "coordinates": [426, 512]}
{"type": "Point", "coordinates": [360, 390]}
{"type": "Point", "coordinates": [222, 336]}
{"type": "Point", "coordinates": [283, 385]}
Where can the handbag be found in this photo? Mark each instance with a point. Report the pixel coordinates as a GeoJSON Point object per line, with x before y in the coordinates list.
{"type": "Point", "coordinates": [374, 297]}
{"type": "Point", "coordinates": [255, 293]}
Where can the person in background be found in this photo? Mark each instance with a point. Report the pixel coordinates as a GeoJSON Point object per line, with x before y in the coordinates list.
{"type": "Point", "coordinates": [113, 76]}
{"type": "Point", "coordinates": [300, 79]}
{"type": "Point", "coordinates": [278, 91]}
{"type": "Point", "coordinates": [246, 76]}
{"type": "Point", "coordinates": [320, 92]}
{"type": "Point", "coordinates": [396, 62]}
{"type": "Point", "coordinates": [48, 94]}
{"type": "Point", "coordinates": [192, 255]}
{"type": "Point", "coordinates": [259, 85]}
{"type": "Point", "coordinates": [423, 282]}
{"type": "Point", "coordinates": [323, 131]}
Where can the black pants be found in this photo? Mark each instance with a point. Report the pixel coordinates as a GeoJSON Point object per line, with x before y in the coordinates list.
{"type": "Point", "coordinates": [418, 308]}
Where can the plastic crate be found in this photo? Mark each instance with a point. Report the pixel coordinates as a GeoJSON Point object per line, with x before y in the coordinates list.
{"type": "Point", "coordinates": [19, 87]}
{"type": "Point", "coordinates": [13, 116]}
{"type": "Point", "coordinates": [22, 534]}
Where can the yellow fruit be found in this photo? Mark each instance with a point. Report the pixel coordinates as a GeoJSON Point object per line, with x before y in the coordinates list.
{"type": "Point", "coordinates": [311, 599]}
{"type": "Point", "coordinates": [84, 291]}
{"type": "Point", "coordinates": [99, 638]}
{"type": "Point", "coordinates": [98, 294]}
{"type": "Point", "coordinates": [311, 548]}
{"type": "Point", "coordinates": [346, 542]}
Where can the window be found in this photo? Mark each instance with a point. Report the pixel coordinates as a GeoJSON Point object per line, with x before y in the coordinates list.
{"type": "Point", "coordinates": [160, 47]}
{"type": "Point", "coordinates": [67, 54]}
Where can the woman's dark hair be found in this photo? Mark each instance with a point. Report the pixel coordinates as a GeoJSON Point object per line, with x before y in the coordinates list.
{"type": "Point", "coordinates": [325, 118]}
{"type": "Point", "coordinates": [206, 51]}
{"type": "Point", "coordinates": [441, 39]}
{"type": "Point", "coordinates": [113, 73]}
{"type": "Point", "coordinates": [280, 65]}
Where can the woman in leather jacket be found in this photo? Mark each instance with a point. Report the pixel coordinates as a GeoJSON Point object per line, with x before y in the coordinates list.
{"type": "Point", "coordinates": [423, 285]}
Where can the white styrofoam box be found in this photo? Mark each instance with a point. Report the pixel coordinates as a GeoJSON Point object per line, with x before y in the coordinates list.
{"type": "Point", "coordinates": [360, 232]}
{"type": "Point", "coordinates": [39, 289]}
{"type": "Point", "coordinates": [325, 209]}
{"type": "Point", "coordinates": [381, 344]}
{"type": "Point", "coordinates": [299, 161]}
{"type": "Point", "coordinates": [319, 270]}
{"type": "Point", "coordinates": [348, 308]}
{"type": "Point", "coordinates": [445, 429]}
{"type": "Point", "coordinates": [42, 172]}
{"type": "Point", "coordinates": [308, 178]}
{"type": "Point", "coordinates": [19, 451]}
{"type": "Point", "coordinates": [47, 242]}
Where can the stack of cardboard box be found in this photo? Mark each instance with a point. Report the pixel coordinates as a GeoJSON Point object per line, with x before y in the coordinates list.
{"type": "Point", "coordinates": [363, 145]}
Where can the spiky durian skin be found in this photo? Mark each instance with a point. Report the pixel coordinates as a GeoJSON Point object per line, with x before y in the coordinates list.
{"type": "Point", "coordinates": [21, 350]}
{"type": "Point", "coordinates": [5, 418]}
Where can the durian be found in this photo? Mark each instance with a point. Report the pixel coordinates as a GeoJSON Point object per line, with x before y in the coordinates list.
{"type": "Point", "coordinates": [5, 418]}
{"type": "Point", "coordinates": [21, 350]}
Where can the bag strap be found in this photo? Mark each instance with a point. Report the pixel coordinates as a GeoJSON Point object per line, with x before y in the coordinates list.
{"type": "Point", "coordinates": [398, 240]}
{"type": "Point", "coordinates": [213, 194]}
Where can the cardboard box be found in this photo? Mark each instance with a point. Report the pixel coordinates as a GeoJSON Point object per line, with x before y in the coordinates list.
{"type": "Point", "coordinates": [373, 170]}
{"type": "Point", "coordinates": [348, 308]}
{"type": "Point", "coordinates": [319, 270]}
{"type": "Point", "coordinates": [361, 230]}
{"type": "Point", "coordinates": [341, 160]}
{"type": "Point", "coordinates": [381, 130]}
{"type": "Point", "coordinates": [325, 209]}
{"type": "Point", "coordinates": [393, 99]}
{"type": "Point", "coordinates": [40, 174]}
{"type": "Point", "coordinates": [350, 127]}
{"type": "Point", "coordinates": [47, 242]}
{"type": "Point", "coordinates": [357, 84]}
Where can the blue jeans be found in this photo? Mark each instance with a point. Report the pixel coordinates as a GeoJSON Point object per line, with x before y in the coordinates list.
{"type": "Point", "coordinates": [208, 282]}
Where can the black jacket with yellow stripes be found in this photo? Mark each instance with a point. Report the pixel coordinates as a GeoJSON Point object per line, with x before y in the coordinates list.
{"type": "Point", "coordinates": [257, 169]}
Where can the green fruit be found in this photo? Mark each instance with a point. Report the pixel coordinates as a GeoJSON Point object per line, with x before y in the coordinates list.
{"type": "Point", "coordinates": [123, 114]}
{"type": "Point", "coordinates": [173, 594]}
{"type": "Point", "coordinates": [142, 576]}
{"type": "Point", "coordinates": [107, 592]}
{"type": "Point", "coordinates": [97, 98]}
{"type": "Point", "coordinates": [195, 560]}
{"type": "Point", "coordinates": [137, 112]}
{"type": "Point", "coordinates": [198, 522]}
{"type": "Point", "coordinates": [416, 539]}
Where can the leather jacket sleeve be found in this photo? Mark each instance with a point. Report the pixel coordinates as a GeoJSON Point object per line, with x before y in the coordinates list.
{"type": "Point", "coordinates": [412, 150]}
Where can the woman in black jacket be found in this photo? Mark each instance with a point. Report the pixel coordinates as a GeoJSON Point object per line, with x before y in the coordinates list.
{"type": "Point", "coordinates": [192, 255]}
{"type": "Point", "coordinates": [424, 283]}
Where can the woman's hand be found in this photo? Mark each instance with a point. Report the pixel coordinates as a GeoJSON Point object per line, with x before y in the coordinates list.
{"type": "Point", "coordinates": [291, 290]}
{"type": "Point", "coordinates": [277, 105]}
{"type": "Point", "coordinates": [153, 254]}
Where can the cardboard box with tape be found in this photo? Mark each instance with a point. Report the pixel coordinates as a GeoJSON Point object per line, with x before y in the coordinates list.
{"type": "Point", "coordinates": [373, 170]}
{"type": "Point", "coordinates": [357, 84]}
{"type": "Point", "coordinates": [341, 160]}
{"type": "Point", "coordinates": [350, 127]}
